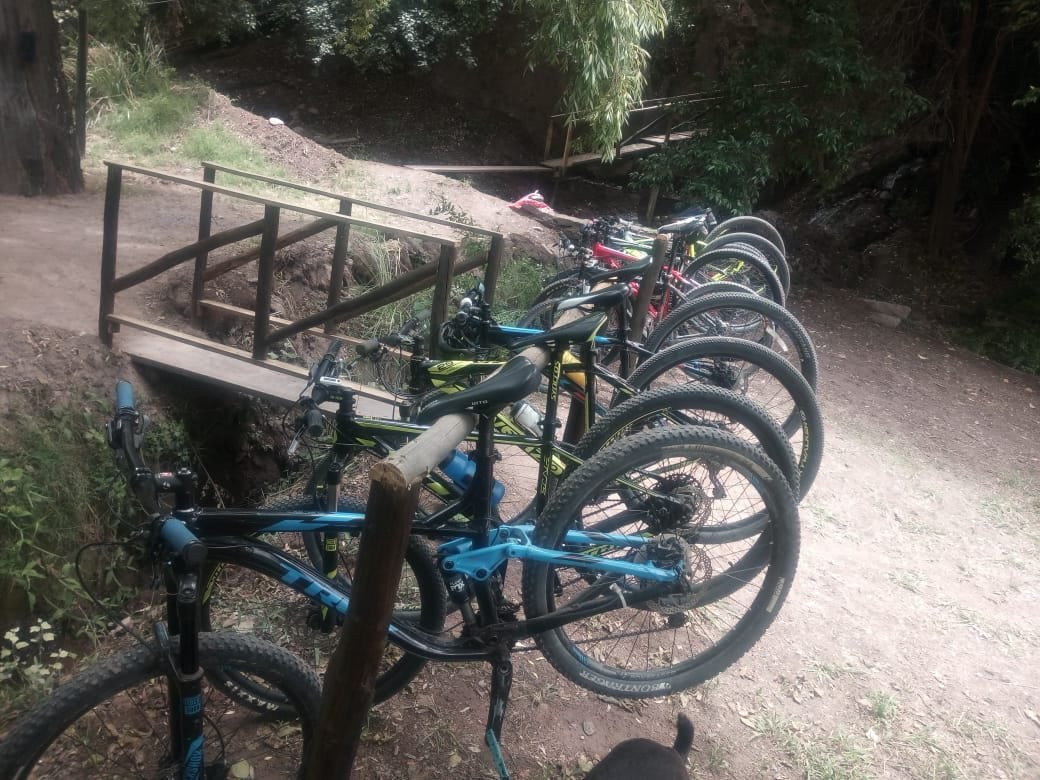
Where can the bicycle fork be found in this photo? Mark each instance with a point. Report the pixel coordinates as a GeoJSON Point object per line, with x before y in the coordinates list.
{"type": "Point", "coordinates": [183, 676]}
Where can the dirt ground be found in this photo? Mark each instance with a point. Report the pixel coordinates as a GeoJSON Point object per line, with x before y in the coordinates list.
{"type": "Point", "coordinates": [908, 645]}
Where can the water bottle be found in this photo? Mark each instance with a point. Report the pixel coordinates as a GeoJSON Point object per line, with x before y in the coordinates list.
{"type": "Point", "coordinates": [460, 469]}
{"type": "Point", "coordinates": [528, 417]}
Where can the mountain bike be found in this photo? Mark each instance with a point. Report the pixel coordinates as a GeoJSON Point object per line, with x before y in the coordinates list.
{"type": "Point", "coordinates": [681, 275]}
{"type": "Point", "coordinates": [526, 438]}
{"type": "Point", "coordinates": [742, 366]}
{"type": "Point", "coordinates": [699, 233]}
{"type": "Point", "coordinates": [151, 710]}
{"type": "Point", "coordinates": [635, 538]}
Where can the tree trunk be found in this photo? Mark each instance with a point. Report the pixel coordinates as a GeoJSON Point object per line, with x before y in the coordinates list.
{"type": "Point", "coordinates": [38, 151]}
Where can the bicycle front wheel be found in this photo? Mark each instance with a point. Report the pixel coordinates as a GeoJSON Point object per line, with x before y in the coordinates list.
{"type": "Point", "coordinates": [669, 487]}
{"type": "Point", "coordinates": [111, 720]}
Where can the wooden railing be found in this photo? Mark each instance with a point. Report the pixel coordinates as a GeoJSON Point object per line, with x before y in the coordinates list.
{"type": "Point", "coordinates": [657, 117]}
{"type": "Point", "coordinates": [438, 274]}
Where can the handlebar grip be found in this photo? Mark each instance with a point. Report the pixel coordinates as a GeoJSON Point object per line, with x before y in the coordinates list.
{"type": "Point", "coordinates": [179, 538]}
{"type": "Point", "coordinates": [124, 395]}
{"type": "Point", "coordinates": [314, 422]}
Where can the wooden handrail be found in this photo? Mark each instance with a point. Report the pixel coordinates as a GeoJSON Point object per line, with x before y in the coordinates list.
{"type": "Point", "coordinates": [339, 196]}
{"type": "Point", "coordinates": [407, 284]}
{"type": "Point", "coordinates": [217, 269]}
{"type": "Point", "coordinates": [189, 252]}
{"type": "Point", "coordinates": [284, 205]}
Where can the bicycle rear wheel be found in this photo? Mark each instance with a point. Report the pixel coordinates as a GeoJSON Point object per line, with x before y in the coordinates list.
{"type": "Point", "coordinates": [744, 316]}
{"type": "Point", "coordinates": [731, 263]}
{"type": "Point", "coordinates": [748, 224]}
{"type": "Point", "coordinates": [693, 404]}
{"type": "Point", "coordinates": [111, 720]}
{"type": "Point", "coordinates": [770, 251]}
{"type": "Point", "coordinates": [752, 370]}
{"type": "Point", "coordinates": [687, 480]}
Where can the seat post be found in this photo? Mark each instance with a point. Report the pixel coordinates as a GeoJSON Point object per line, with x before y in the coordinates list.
{"type": "Point", "coordinates": [480, 490]}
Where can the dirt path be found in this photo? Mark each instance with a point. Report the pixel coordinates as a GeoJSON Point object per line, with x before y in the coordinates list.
{"type": "Point", "coordinates": [908, 646]}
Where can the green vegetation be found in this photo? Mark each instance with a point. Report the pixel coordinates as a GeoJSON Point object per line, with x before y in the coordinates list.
{"type": "Point", "coordinates": [793, 106]}
{"type": "Point", "coordinates": [60, 488]}
{"type": "Point", "coordinates": [31, 662]}
{"type": "Point", "coordinates": [1006, 328]}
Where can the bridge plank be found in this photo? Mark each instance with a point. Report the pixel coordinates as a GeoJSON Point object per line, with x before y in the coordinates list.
{"type": "Point", "coordinates": [229, 368]}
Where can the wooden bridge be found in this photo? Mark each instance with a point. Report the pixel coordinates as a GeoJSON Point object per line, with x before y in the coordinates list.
{"type": "Point", "coordinates": [189, 352]}
{"type": "Point", "coordinates": [652, 125]}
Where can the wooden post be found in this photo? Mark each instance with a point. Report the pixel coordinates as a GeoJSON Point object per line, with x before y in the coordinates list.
{"type": "Point", "coordinates": [441, 294]}
{"type": "Point", "coordinates": [566, 150]}
{"type": "Point", "coordinates": [352, 671]}
{"type": "Point", "coordinates": [494, 267]}
{"type": "Point", "coordinates": [651, 203]}
{"type": "Point", "coordinates": [339, 258]}
{"type": "Point", "coordinates": [110, 227]}
{"type": "Point", "coordinates": [198, 282]}
{"type": "Point", "coordinates": [265, 282]}
{"type": "Point", "coordinates": [351, 674]}
{"type": "Point", "coordinates": [81, 80]}
{"type": "Point", "coordinates": [646, 292]}
{"type": "Point", "coordinates": [548, 140]}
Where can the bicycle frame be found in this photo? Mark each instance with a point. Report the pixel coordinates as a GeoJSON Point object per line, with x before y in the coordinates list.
{"type": "Point", "coordinates": [471, 552]}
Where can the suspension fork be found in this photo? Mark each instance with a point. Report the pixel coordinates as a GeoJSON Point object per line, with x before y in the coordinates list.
{"type": "Point", "coordinates": [183, 674]}
{"type": "Point", "coordinates": [333, 478]}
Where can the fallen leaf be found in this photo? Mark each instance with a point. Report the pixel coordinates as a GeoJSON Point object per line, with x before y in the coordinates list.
{"type": "Point", "coordinates": [454, 760]}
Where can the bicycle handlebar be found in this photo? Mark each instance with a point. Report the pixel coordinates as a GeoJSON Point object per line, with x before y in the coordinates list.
{"type": "Point", "coordinates": [327, 362]}
{"type": "Point", "coordinates": [125, 433]}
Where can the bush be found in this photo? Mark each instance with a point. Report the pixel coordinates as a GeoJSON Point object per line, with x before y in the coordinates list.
{"type": "Point", "coordinates": [1007, 329]}
{"type": "Point", "coordinates": [60, 488]}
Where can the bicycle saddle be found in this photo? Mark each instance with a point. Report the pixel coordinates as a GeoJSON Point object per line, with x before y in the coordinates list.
{"type": "Point", "coordinates": [517, 379]}
{"type": "Point", "coordinates": [599, 299]}
{"type": "Point", "coordinates": [688, 225]}
{"type": "Point", "coordinates": [629, 272]}
{"type": "Point", "coordinates": [576, 332]}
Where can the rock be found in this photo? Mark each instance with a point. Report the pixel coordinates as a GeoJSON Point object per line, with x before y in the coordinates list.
{"type": "Point", "coordinates": [518, 245]}
{"type": "Point", "coordinates": [855, 222]}
{"type": "Point", "coordinates": [888, 320]}
{"type": "Point", "coordinates": [896, 310]}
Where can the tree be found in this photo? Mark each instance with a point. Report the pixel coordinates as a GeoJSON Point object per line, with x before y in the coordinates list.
{"type": "Point", "coordinates": [38, 150]}
{"type": "Point", "coordinates": [977, 36]}
{"type": "Point", "coordinates": [598, 46]}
